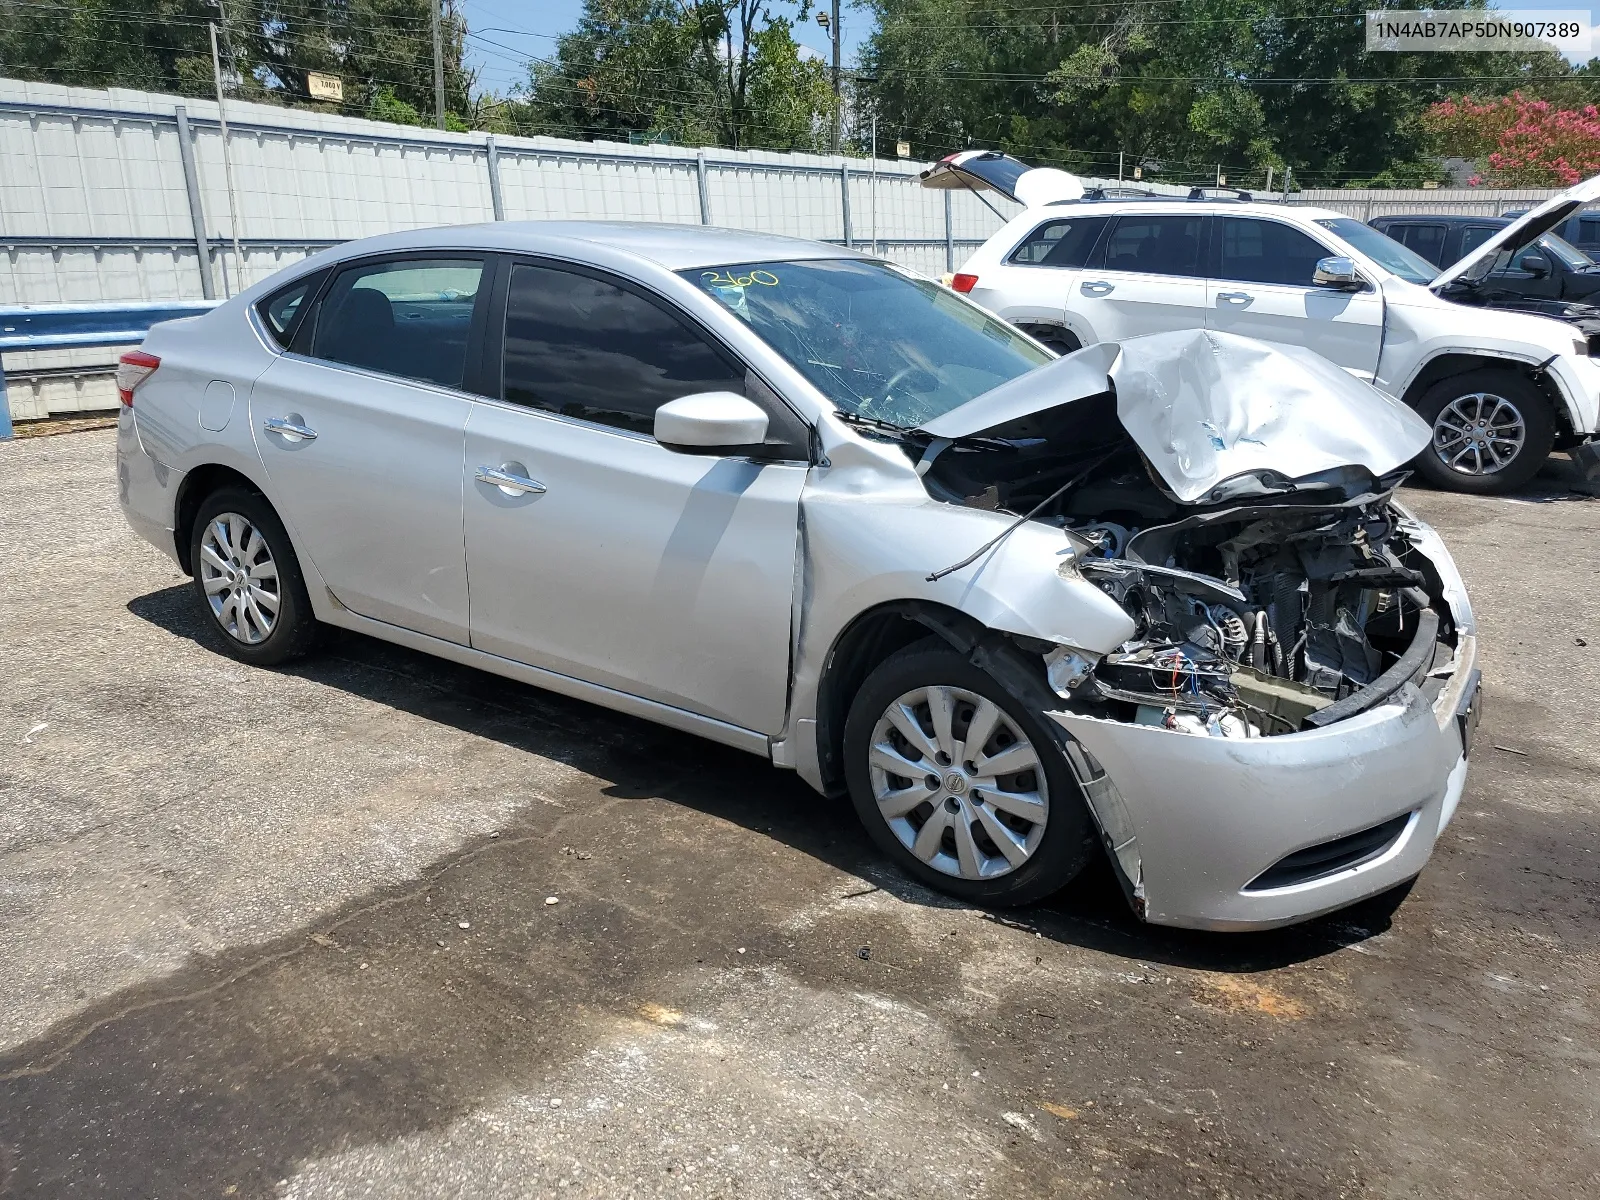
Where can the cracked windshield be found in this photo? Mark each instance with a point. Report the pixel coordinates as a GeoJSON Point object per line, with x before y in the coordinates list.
{"type": "Point", "coordinates": [879, 344]}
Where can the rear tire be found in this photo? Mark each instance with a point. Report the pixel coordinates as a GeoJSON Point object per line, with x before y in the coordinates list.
{"type": "Point", "coordinates": [1062, 341]}
{"type": "Point", "coordinates": [248, 579]}
{"type": "Point", "coordinates": [949, 835]}
{"type": "Point", "coordinates": [1495, 426]}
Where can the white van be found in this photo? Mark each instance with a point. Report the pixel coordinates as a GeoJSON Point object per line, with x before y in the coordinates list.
{"type": "Point", "coordinates": [1500, 389]}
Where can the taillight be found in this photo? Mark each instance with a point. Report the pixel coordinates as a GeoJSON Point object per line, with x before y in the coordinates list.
{"type": "Point", "coordinates": [964, 283]}
{"type": "Point", "coordinates": [133, 368]}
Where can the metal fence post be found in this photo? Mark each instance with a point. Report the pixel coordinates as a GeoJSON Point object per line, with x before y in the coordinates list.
{"type": "Point", "coordinates": [197, 213]}
{"type": "Point", "coordinates": [6, 431]}
{"type": "Point", "coordinates": [949, 236]}
{"type": "Point", "coordinates": [844, 200]}
{"type": "Point", "coordinates": [705, 193]}
{"type": "Point", "coordinates": [495, 201]}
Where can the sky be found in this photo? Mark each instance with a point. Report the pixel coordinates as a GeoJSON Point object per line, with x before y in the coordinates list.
{"type": "Point", "coordinates": [527, 29]}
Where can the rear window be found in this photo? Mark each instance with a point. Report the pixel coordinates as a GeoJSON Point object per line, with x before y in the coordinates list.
{"type": "Point", "coordinates": [1060, 243]}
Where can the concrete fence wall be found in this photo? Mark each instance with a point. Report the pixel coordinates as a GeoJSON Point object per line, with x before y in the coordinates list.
{"type": "Point", "coordinates": [120, 195]}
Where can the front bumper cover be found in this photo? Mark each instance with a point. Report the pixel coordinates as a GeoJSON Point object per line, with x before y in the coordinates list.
{"type": "Point", "coordinates": [1193, 820]}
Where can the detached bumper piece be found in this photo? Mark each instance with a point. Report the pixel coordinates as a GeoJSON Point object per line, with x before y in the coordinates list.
{"type": "Point", "coordinates": [1410, 667]}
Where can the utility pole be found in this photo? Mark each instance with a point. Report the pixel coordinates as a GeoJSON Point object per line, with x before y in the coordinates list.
{"type": "Point", "coordinates": [438, 62]}
{"type": "Point", "coordinates": [831, 25]}
{"type": "Point", "coordinates": [227, 163]}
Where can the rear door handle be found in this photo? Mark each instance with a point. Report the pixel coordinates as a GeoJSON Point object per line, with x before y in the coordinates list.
{"type": "Point", "coordinates": [290, 428]}
{"type": "Point", "coordinates": [509, 482]}
{"type": "Point", "coordinates": [1235, 297]}
{"type": "Point", "coordinates": [1095, 287]}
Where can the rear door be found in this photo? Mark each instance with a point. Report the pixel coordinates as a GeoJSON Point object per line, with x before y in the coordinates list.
{"type": "Point", "coordinates": [360, 430]}
{"type": "Point", "coordinates": [1041, 272]}
{"type": "Point", "coordinates": [1262, 288]}
{"type": "Point", "coordinates": [1147, 275]}
{"type": "Point", "coordinates": [664, 575]}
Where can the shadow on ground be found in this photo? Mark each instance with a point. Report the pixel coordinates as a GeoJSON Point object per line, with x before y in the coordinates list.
{"type": "Point", "coordinates": [388, 1017]}
{"type": "Point", "coordinates": [644, 761]}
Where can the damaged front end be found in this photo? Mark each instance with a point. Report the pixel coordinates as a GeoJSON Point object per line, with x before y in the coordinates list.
{"type": "Point", "coordinates": [1236, 500]}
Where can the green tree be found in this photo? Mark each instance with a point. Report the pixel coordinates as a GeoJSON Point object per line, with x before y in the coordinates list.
{"type": "Point", "coordinates": [382, 50]}
{"type": "Point", "coordinates": [723, 72]}
{"type": "Point", "coordinates": [1188, 84]}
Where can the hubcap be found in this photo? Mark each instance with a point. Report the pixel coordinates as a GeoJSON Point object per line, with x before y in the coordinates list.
{"type": "Point", "coordinates": [958, 783]}
{"type": "Point", "coordinates": [240, 578]}
{"type": "Point", "coordinates": [1478, 434]}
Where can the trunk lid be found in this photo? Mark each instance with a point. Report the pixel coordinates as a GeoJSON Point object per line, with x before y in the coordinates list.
{"type": "Point", "coordinates": [991, 171]}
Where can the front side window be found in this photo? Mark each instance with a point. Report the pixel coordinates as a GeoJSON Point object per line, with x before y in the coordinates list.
{"type": "Point", "coordinates": [1157, 245]}
{"type": "Point", "coordinates": [410, 317]}
{"type": "Point", "coordinates": [1589, 231]}
{"type": "Point", "coordinates": [1061, 243]}
{"type": "Point", "coordinates": [1474, 236]}
{"type": "Point", "coordinates": [586, 348]}
{"type": "Point", "coordinates": [1258, 251]}
{"type": "Point", "coordinates": [877, 342]}
{"type": "Point", "coordinates": [1381, 249]}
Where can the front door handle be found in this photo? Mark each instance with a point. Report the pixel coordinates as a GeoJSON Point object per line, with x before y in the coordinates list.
{"type": "Point", "coordinates": [1095, 287]}
{"type": "Point", "coordinates": [1235, 297]}
{"type": "Point", "coordinates": [509, 482]}
{"type": "Point", "coordinates": [290, 427]}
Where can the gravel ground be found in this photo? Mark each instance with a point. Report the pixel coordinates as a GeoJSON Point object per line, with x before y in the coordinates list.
{"type": "Point", "coordinates": [381, 926]}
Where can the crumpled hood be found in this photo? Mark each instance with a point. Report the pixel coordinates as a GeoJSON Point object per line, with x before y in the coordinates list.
{"type": "Point", "coordinates": [1208, 408]}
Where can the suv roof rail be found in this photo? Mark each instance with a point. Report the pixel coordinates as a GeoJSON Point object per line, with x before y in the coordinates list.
{"type": "Point", "coordinates": [1199, 193]}
{"type": "Point", "coordinates": [1121, 193]}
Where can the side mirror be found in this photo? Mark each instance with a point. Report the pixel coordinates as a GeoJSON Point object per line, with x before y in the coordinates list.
{"type": "Point", "coordinates": [1536, 265]}
{"type": "Point", "coordinates": [1337, 271]}
{"type": "Point", "coordinates": [710, 423]}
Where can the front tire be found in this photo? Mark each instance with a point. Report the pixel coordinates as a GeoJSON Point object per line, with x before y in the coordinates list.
{"type": "Point", "coordinates": [965, 788]}
{"type": "Point", "coordinates": [248, 579]}
{"type": "Point", "coordinates": [1492, 431]}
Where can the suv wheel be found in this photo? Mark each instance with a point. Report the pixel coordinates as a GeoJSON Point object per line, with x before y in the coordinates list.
{"type": "Point", "coordinates": [965, 788]}
{"type": "Point", "coordinates": [1492, 430]}
{"type": "Point", "coordinates": [1062, 341]}
{"type": "Point", "coordinates": [248, 578]}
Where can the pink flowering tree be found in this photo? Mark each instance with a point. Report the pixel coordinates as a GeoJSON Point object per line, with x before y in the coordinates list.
{"type": "Point", "coordinates": [1519, 142]}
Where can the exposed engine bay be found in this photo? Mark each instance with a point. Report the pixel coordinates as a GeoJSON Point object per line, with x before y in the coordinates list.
{"type": "Point", "coordinates": [1286, 605]}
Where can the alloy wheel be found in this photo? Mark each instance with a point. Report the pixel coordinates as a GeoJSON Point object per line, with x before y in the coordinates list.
{"type": "Point", "coordinates": [240, 578]}
{"type": "Point", "coordinates": [958, 783]}
{"type": "Point", "coordinates": [1479, 433]}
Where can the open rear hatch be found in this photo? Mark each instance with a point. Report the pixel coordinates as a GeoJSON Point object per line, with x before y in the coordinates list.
{"type": "Point", "coordinates": [990, 171]}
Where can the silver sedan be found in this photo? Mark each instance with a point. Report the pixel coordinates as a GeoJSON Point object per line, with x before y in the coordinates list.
{"type": "Point", "coordinates": [1154, 600]}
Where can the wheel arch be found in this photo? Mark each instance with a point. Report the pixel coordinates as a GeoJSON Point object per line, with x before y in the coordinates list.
{"type": "Point", "coordinates": [1451, 363]}
{"type": "Point", "coordinates": [198, 483]}
{"type": "Point", "coordinates": [875, 634]}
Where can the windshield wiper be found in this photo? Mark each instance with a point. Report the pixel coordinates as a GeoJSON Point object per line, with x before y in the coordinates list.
{"type": "Point", "coordinates": [852, 418]}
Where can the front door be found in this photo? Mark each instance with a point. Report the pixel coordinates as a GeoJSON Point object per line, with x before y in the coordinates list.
{"type": "Point", "coordinates": [1147, 276]}
{"type": "Point", "coordinates": [608, 557]}
{"type": "Point", "coordinates": [361, 437]}
{"type": "Point", "coordinates": [1263, 289]}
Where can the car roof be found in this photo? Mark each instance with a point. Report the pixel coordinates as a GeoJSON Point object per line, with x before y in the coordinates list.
{"type": "Point", "coordinates": [1439, 219]}
{"type": "Point", "coordinates": [675, 247]}
{"type": "Point", "coordinates": [1209, 206]}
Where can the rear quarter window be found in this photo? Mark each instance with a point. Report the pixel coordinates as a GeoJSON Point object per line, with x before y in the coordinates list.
{"type": "Point", "coordinates": [1065, 242]}
{"type": "Point", "coordinates": [283, 311]}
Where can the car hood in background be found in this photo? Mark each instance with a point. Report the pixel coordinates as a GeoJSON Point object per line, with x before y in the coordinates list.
{"type": "Point", "coordinates": [991, 171]}
{"type": "Point", "coordinates": [1521, 232]}
{"type": "Point", "coordinates": [1209, 409]}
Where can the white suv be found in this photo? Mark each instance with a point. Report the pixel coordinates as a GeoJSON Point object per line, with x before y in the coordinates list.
{"type": "Point", "coordinates": [1500, 389]}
